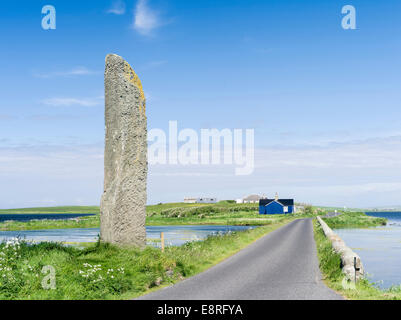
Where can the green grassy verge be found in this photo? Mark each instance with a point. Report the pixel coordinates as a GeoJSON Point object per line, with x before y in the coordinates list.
{"type": "Point", "coordinates": [52, 210]}
{"type": "Point", "coordinates": [95, 209]}
{"type": "Point", "coordinates": [218, 214]}
{"type": "Point", "coordinates": [108, 272]}
{"type": "Point", "coordinates": [354, 220]}
{"type": "Point", "coordinates": [222, 213]}
{"type": "Point", "coordinates": [81, 222]}
{"type": "Point", "coordinates": [330, 266]}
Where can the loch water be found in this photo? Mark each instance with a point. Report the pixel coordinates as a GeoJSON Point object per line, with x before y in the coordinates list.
{"type": "Point", "coordinates": [173, 235]}
{"type": "Point", "coordinates": [379, 249]}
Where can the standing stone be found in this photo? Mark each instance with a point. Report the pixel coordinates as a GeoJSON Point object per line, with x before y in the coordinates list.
{"type": "Point", "coordinates": [122, 210]}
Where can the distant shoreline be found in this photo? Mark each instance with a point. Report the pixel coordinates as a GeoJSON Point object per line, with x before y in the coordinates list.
{"type": "Point", "coordinates": [53, 210]}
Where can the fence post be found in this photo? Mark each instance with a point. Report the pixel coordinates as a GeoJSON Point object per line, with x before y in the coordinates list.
{"type": "Point", "coordinates": [162, 240]}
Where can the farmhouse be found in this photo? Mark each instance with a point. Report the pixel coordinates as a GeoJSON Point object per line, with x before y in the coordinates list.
{"type": "Point", "coordinates": [276, 206]}
{"type": "Point", "coordinates": [253, 198]}
{"type": "Point", "coordinates": [200, 200]}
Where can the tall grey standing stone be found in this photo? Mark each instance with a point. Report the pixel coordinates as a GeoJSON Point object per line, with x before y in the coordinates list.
{"type": "Point", "coordinates": [122, 211]}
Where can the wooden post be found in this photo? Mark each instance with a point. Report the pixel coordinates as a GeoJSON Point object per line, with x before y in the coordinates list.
{"type": "Point", "coordinates": [162, 240]}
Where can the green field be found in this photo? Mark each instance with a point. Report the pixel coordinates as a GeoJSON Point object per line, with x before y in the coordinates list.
{"type": "Point", "coordinates": [104, 271]}
{"type": "Point", "coordinates": [354, 220]}
{"type": "Point", "coordinates": [53, 210]}
{"type": "Point", "coordinates": [83, 271]}
{"type": "Point", "coordinates": [81, 222]}
{"type": "Point", "coordinates": [222, 213]}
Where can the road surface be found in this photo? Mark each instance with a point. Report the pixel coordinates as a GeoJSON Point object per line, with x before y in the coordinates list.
{"type": "Point", "coordinates": [281, 265]}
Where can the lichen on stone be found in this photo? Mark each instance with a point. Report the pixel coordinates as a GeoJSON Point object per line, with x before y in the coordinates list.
{"type": "Point", "coordinates": [132, 77]}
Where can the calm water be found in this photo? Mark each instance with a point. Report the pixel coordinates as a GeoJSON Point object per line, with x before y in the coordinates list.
{"type": "Point", "coordinates": [379, 248]}
{"type": "Point", "coordinates": [174, 235]}
{"type": "Point", "coordinates": [29, 217]}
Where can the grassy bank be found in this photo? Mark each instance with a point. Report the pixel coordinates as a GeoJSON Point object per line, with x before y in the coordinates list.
{"type": "Point", "coordinates": [81, 222]}
{"type": "Point", "coordinates": [354, 220]}
{"type": "Point", "coordinates": [109, 272]}
{"type": "Point", "coordinates": [330, 265]}
{"type": "Point", "coordinates": [222, 213]}
{"type": "Point", "coordinates": [52, 210]}
{"type": "Point", "coordinates": [212, 214]}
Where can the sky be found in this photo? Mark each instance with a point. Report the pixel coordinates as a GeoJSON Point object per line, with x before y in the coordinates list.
{"type": "Point", "coordinates": [324, 102]}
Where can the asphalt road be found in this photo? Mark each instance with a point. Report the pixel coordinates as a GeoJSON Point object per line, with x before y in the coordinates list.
{"type": "Point", "coordinates": [281, 265]}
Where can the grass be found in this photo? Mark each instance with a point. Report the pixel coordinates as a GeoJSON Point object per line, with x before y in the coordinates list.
{"type": "Point", "coordinates": [216, 214]}
{"type": "Point", "coordinates": [104, 271]}
{"type": "Point", "coordinates": [52, 210]}
{"type": "Point", "coordinates": [330, 266]}
{"type": "Point", "coordinates": [85, 273]}
{"type": "Point", "coordinates": [81, 222]}
{"type": "Point", "coordinates": [42, 224]}
{"type": "Point", "coordinates": [354, 220]}
{"type": "Point", "coordinates": [222, 213]}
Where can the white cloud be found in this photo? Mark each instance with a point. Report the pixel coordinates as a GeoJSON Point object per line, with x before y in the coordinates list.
{"type": "Point", "coordinates": [363, 154]}
{"type": "Point", "coordinates": [67, 102]}
{"type": "Point", "coordinates": [145, 19]}
{"type": "Point", "coordinates": [77, 71]}
{"type": "Point", "coordinates": [44, 175]}
{"type": "Point", "coordinates": [118, 8]}
{"type": "Point", "coordinates": [356, 174]}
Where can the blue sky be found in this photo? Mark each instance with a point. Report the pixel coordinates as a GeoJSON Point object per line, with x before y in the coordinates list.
{"type": "Point", "coordinates": [324, 101]}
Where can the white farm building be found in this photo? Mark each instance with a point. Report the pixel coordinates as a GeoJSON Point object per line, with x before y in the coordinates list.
{"type": "Point", "coordinates": [253, 198]}
{"type": "Point", "coordinates": [200, 200]}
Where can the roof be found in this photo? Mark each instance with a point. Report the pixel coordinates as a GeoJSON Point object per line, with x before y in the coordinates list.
{"type": "Point", "coordinates": [253, 197]}
{"type": "Point", "coordinates": [284, 202]}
